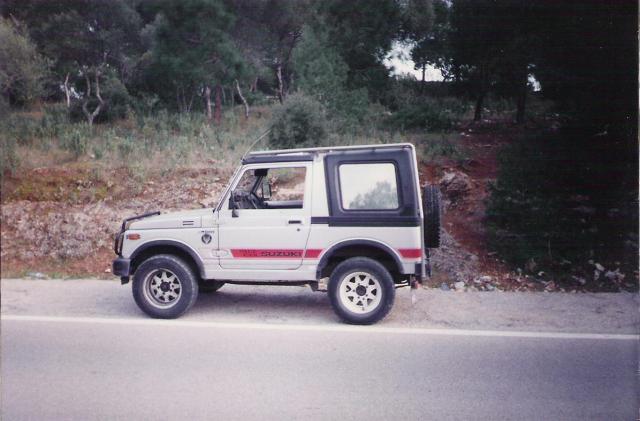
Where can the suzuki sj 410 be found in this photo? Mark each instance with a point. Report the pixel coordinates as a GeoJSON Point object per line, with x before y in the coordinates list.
{"type": "Point", "coordinates": [347, 220]}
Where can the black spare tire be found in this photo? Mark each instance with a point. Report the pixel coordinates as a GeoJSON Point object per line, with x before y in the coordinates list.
{"type": "Point", "coordinates": [432, 210]}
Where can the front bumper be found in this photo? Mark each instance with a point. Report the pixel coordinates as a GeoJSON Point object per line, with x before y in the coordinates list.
{"type": "Point", "coordinates": [121, 267]}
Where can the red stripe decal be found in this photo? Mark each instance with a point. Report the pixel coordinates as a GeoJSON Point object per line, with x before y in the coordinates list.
{"type": "Point", "coordinates": [266, 254]}
{"type": "Point", "coordinates": [411, 253]}
{"type": "Point", "coordinates": [312, 253]}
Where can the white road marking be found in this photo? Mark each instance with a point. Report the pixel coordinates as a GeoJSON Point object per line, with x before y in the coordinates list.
{"type": "Point", "coordinates": [319, 328]}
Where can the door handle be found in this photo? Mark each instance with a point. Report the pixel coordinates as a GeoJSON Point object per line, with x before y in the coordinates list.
{"type": "Point", "coordinates": [294, 221]}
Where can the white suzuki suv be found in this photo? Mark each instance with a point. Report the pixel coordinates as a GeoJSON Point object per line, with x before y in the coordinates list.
{"type": "Point", "coordinates": [348, 220]}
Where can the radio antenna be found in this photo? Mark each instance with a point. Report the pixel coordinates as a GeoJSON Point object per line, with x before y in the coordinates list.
{"type": "Point", "coordinates": [255, 142]}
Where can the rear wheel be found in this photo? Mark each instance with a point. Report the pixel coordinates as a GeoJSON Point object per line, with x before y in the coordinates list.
{"type": "Point", "coordinates": [164, 286]}
{"type": "Point", "coordinates": [361, 291]}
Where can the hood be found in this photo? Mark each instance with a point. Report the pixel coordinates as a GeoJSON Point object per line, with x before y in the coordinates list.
{"type": "Point", "coordinates": [184, 219]}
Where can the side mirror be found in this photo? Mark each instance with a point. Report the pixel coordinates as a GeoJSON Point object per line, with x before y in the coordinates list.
{"type": "Point", "coordinates": [266, 189]}
{"type": "Point", "coordinates": [233, 204]}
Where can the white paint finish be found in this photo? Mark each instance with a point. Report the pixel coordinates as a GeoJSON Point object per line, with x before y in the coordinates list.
{"type": "Point", "coordinates": [265, 229]}
{"type": "Point", "coordinates": [170, 220]}
{"type": "Point", "coordinates": [322, 328]}
{"type": "Point", "coordinates": [190, 237]}
{"type": "Point", "coordinates": [395, 238]}
{"type": "Point", "coordinates": [270, 229]}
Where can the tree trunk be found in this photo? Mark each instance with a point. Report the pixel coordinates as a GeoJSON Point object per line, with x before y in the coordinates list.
{"type": "Point", "coordinates": [67, 91]}
{"type": "Point", "coordinates": [232, 98]}
{"type": "Point", "coordinates": [85, 103]}
{"type": "Point", "coordinates": [224, 96]}
{"type": "Point", "coordinates": [479, 101]}
{"type": "Point", "coordinates": [244, 101]}
{"type": "Point", "coordinates": [207, 98]}
{"type": "Point", "coordinates": [188, 107]}
{"type": "Point", "coordinates": [218, 113]}
{"type": "Point", "coordinates": [424, 71]}
{"type": "Point", "coordinates": [481, 94]}
{"type": "Point", "coordinates": [522, 95]}
{"type": "Point", "coordinates": [280, 84]}
{"type": "Point", "coordinates": [254, 85]}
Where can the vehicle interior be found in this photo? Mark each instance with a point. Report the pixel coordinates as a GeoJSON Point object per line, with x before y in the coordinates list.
{"type": "Point", "coordinates": [261, 189]}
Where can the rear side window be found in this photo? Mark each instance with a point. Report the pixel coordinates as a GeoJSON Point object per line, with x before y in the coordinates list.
{"type": "Point", "coordinates": [368, 186]}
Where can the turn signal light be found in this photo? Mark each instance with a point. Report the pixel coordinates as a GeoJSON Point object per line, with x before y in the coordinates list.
{"type": "Point", "coordinates": [133, 236]}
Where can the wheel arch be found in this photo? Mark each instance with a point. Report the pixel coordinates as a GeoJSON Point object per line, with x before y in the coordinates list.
{"type": "Point", "coordinates": [363, 248]}
{"type": "Point", "coordinates": [175, 248]}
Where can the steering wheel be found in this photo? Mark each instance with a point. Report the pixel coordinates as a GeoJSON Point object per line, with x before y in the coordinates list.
{"type": "Point", "coordinates": [254, 201]}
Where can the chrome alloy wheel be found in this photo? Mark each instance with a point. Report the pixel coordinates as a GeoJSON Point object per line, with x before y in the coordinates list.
{"type": "Point", "coordinates": [162, 288]}
{"type": "Point", "coordinates": [360, 292]}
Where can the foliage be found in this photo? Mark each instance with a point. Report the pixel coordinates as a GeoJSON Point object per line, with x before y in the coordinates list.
{"type": "Point", "coordinates": [430, 31]}
{"type": "Point", "coordinates": [78, 34]}
{"type": "Point", "coordinates": [362, 35]}
{"type": "Point", "coordinates": [116, 97]}
{"type": "Point", "coordinates": [22, 69]}
{"type": "Point", "coordinates": [433, 114]}
{"type": "Point", "coordinates": [564, 196]}
{"type": "Point", "coordinates": [382, 196]}
{"type": "Point", "coordinates": [323, 74]}
{"type": "Point", "coordinates": [192, 49]}
{"type": "Point", "coordinates": [300, 122]}
{"type": "Point", "coordinates": [320, 71]}
{"type": "Point", "coordinates": [8, 158]}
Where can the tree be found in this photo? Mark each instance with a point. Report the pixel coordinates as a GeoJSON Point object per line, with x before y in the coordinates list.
{"type": "Point", "coordinates": [475, 42]}
{"type": "Point", "coordinates": [80, 36]}
{"type": "Point", "coordinates": [193, 51]}
{"type": "Point", "coordinates": [322, 73]}
{"type": "Point", "coordinates": [362, 35]}
{"type": "Point", "coordinates": [587, 61]}
{"type": "Point", "coordinates": [319, 69]}
{"type": "Point", "coordinates": [419, 24]}
{"type": "Point", "coordinates": [22, 69]}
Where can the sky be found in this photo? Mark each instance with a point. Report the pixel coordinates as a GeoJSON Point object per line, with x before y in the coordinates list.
{"type": "Point", "coordinates": [400, 60]}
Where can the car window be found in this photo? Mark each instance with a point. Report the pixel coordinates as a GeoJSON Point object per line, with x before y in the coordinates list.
{"type": "Point", "coordinates": [368, 186]}
{"type": "Point", "coordinates": [285, 185]}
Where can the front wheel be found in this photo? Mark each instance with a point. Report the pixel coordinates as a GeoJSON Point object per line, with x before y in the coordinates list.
{"type": "Point", "coordinates": [164, 287]}
{"type": "Point", "coordinates": [361, 291]}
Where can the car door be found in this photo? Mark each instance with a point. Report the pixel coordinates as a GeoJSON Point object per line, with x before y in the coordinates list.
{"type": "Point", "coordinates": [274, 235]}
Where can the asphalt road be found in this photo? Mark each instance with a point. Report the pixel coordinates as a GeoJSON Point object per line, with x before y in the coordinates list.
{"type": "Point", "coordinates": [89, 366]}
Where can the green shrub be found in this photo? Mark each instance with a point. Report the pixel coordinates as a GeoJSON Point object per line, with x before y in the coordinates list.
{"type": "Point", "coordinates": [433, 114]}
{"type": "Point", "coordinates": [76, 142]}
{"type": "Point", "coordinates": [125, 148]}
{"type": "Point", "coordinates": [55, 120]}
{"type": "Point", "coordinates": [439, 145]}
{"type": "Point", "coordinates": [21, 127]}
{"type": "Point", "coordinates": [8, 157]}
{"type": "Point", "coordinates": [300, 122]}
